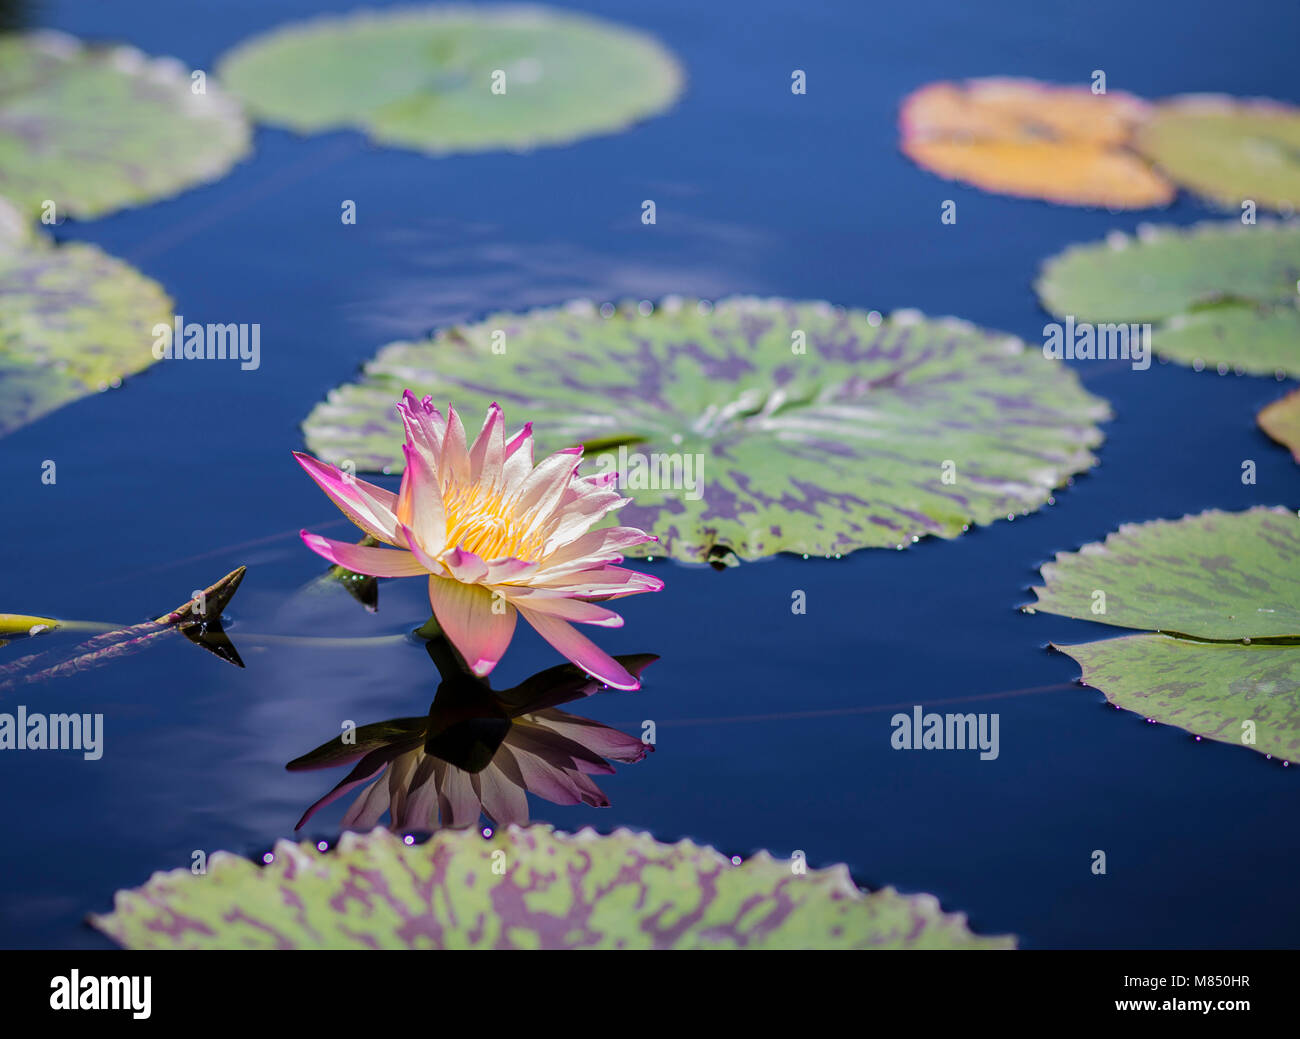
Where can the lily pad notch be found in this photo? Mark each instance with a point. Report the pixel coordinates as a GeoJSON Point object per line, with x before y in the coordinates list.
{"type": "Point", "coordinates": [1218, 597]}
{"type": "Point", "coordinates": [1218, 294]}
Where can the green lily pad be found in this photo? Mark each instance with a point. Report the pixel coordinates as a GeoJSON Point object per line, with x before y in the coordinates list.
{"type": "Point", "coordinates": [455, 79]}
{"type": "Point", "coordinates": [73, 321]}
{"type": "Point", "coordinates": [1223, 591]}
{"type": "Point", "coordinates": [524, 888]}
{"type": "Point", "coordinates": [1281, 421]}
{"type": "Point", "coordinates": [1216, 575]}
{"type": "Point", "coordinates": [96, 128]}
{"type": "Point", "coordinates": [1227, 149]}
{"type": "Point", "coordinates": [1245, 695]}
{"type": "Point", "coordinates": [753, 426]}
{"type": "Point", "coordinates": [1217, 293]}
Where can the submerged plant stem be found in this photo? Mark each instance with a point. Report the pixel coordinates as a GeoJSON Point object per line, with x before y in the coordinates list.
{"type": "Point", "coordinates": [318, 641]}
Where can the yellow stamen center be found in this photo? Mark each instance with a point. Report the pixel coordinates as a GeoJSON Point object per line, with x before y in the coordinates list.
{"type": "Point", "coordinates": [481, 521]}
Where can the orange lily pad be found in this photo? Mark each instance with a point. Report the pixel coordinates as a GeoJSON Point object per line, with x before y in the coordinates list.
{"type": "Point", "coordinates": [1281, 421]}
{"type": "Point", "coordinates": [1033, 140]}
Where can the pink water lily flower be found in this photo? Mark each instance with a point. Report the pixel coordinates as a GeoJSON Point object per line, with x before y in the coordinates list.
{"type": "Point", "coordinates": [495, 534]}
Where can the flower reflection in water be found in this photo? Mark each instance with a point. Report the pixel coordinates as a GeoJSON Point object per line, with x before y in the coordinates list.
{"type": "Point", "coordinates": [477, 752]}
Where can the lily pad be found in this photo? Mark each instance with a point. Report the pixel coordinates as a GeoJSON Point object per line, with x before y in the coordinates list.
{"type": "Point", "coordinates": [97, 128]}
{"type": "Point", "coordinates": [1227, 149]}
{"type": "Point", "coordinates": [1245, 695]}
{"type": "Point", "coordinates": [1217, 293]}
{"type": "Point", "coordinates": [1216, 575]}
{"type": "Point", "coordinates": [455, 79]}
{"type": "Point", "coordinates": [524, 888]}
{"type": "Point", "coordinates": [73, 321]}
{"type": "Point", "coordinates": [1223, 592]}
{"type": "Point", "coordinates": [1281, 421]}
{"type": "Point", "coordinates": [753, 426]}
{"type": "Point", "coordinates": [1034, 140]}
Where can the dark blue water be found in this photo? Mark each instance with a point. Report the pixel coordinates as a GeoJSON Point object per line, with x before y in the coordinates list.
{"type": "Point", "coordinates": [185, 473]}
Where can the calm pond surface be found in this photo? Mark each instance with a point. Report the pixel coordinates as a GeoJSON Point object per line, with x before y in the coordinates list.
{"type": "Point", "coordinates": [773, 728]}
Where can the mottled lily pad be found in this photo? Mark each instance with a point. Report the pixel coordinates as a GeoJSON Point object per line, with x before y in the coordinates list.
{"type": "Point", "coordinates": [1244, 695]}
{"type": "Point", "coordinates": [1216, 294]}
{"type": "Point", "coordinates": [1227, 149]}
{"type": "Point", "coordinates": [73, 321]}
{"type": "Point", "coordinates": [753, 426]}
{"type": "Point", "coordinates": [1281, 421]}
{"type": "Point", "coordinates": [524, 888]}
{"type": "Point", "coordinates": [1222, 590]}
{"type": "Point", "coordinates": [96, 128]}
{"type": "Point", "coordinates": [1020, 137]}
{"type": "Point", "coordinates": [1216, 575]}
{"type": "Point", "coordinates": [455, 79]}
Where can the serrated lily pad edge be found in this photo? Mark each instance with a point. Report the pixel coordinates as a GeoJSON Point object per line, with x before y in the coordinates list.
{"type": "Point", "coordinates": [1087, 680]}
{"type": "Point", "coordinates": [836, 879]}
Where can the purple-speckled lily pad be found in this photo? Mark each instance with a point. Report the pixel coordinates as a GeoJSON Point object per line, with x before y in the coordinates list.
{"type": "Point", "coordinates": [523, 888]}
{"type": "Point", "coordinates": [753, 426]}
{"type": "Point", "coordinates": [1220, 593]}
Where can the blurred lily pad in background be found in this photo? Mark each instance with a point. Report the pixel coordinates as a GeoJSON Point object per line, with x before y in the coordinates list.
{"type": "Point", "coordinates": [528, 888]}
{"type": "Point", "coordinates": [1226, 149]}
{"type": "Point", "coordinates": [96, 128]}
{"type": "Point", "coordinates": [1021, 137]}
{"type": "Point", "coordinates": [1223, 592]}
{"type": "Point", "coordinates": [753, 426]}
{"type": "Point", "coordinates": [73, 321]}
{"type": "Point", "coordinates": [455, 79]}
{"type": "Point", "coordinates": [1281, 421]}
{"type": "Point", "coordinates": [1220, 293]}
{"type": "Point", "coordinates": [1068, 145]}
